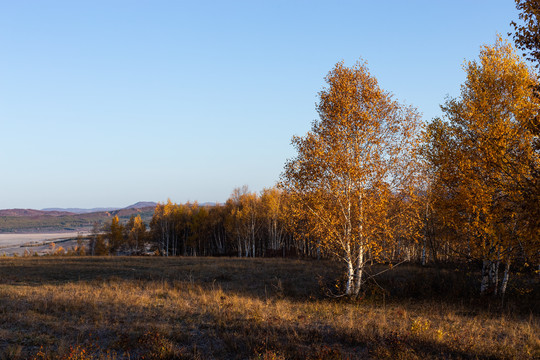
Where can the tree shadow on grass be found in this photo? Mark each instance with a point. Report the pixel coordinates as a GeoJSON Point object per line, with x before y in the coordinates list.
{"type": "Point", "coordinates": [203, 332]}
{"type": "Point", "coordinates": [257, 278]}
{"type": "Point", "coordinates": [295, 280]}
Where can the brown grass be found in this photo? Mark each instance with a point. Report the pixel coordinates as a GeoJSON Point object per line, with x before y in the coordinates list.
{"type": "Point", "coordinates": [205, 308]}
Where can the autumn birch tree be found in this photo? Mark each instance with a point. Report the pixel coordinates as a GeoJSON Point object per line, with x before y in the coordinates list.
{"type": "Point", "coordinates": [484, 161]}
{"type": "Point", "coordinates": [162, 225]}
{"type": "Point", "coordinates": [136, 233]}
{"type": "Point", "coordinates": [272, 208]}
{"type": "Point", "coordinates": [115, 235]}
{"type": "Point", "coordinates": [358, 155]}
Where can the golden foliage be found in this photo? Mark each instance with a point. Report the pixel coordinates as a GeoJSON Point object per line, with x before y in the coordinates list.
{"type": "Point", "coordinates": [357, 158]}
{"type": "Point", "coordinates": [483, 157]}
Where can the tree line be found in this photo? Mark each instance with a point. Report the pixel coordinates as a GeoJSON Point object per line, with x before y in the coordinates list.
{"type": "Point", "coordinates": [248, 224]}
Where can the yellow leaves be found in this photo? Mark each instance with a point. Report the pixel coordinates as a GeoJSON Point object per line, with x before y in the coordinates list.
{"type": "Point", "coordinates": [352, 164]}
{"type": "Point", "coordinates": [138, 221]}
{"type": "Point", "coordinates": [481, 156]}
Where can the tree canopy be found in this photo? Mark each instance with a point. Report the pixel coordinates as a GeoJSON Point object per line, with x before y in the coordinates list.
{"type": "Point", "coordinates": [527, 34]}
{"type": "Point", "coordinates": [484, 162]}
{"type": "Point", "coordinates": [357, 157]}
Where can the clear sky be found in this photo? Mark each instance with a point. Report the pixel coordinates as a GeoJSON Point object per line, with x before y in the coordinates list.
{"type": "Point", "coordinates": [106, 103]}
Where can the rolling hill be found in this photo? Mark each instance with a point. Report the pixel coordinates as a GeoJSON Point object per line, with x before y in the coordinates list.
{"type": "Point", "coordinates": [57, 219]}
{"type": "Point", "coordinates": [33, 213]}
{"type": "Point", "coordinates": [138, 205]}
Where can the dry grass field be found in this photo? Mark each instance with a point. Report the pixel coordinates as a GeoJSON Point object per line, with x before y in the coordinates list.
{"type": "Point", "coordinates": [226, 308]}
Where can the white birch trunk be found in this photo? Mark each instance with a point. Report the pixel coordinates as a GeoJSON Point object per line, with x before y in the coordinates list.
{"type": "Point", "coordinates": [350, 278]}
{"type": "Point", "coordinates": [359, 271]}
{"type": "Point", "coordinates": [424, 253]}
{"type": "Point", "coordinates": [484, 285]}
{"type": "Point", "coordinates": [424, 244]}
{"type": "Point", "coordinates": [239, 248]}
{"type": "Point", "coordinates": [495, 280]}
{"type": "Point", "coordinates": [505, 278]}
{"type": "Point", "coordinates": [493, 271]}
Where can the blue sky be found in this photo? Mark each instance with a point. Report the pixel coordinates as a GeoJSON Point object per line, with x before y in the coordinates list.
{"type": "Point", "coordinates": [105, 103]}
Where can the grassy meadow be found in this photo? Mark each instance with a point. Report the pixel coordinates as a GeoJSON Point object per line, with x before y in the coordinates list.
{"type": "Point", "coordinates": [228, 308]}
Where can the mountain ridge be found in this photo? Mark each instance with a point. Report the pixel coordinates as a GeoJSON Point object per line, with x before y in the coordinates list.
{"type": "Point", "coordinates": [33, 212]}
{"type": "Point", "coordinates": [49, 212]}
{"type": "Point", "coordinates": [137, 205]}
{"type": "Point", "coordinates": [38, 221]}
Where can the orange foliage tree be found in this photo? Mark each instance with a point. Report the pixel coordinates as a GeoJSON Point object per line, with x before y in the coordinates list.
{"type": "Point", "coordinates": [485, 164]}
{"type": "Point", "coordinates": [115, 235]}
{"type": "Point", "coordinates": [136, 233]}
{"type": "Point", "coordinates": [357, 158]}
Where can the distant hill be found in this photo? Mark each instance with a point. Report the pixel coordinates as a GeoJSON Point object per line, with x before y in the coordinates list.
{"type": "Point", "coordinates": [57, 219]}
{"type": "Point", "coordinates": [78, 210]}
{"type": "Point", "coordinates": [209, 203]}
{"type": "Point", "coordinates": [139, 205]}
{"type": "Point", "coordinates": [32, 213]}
